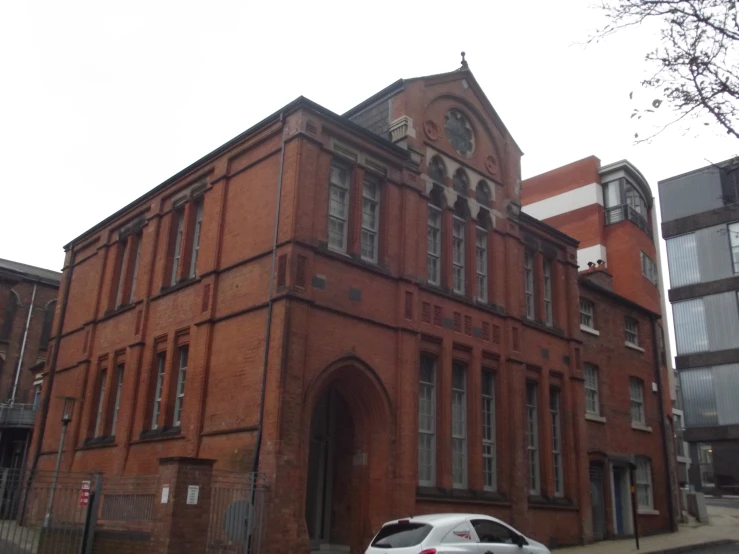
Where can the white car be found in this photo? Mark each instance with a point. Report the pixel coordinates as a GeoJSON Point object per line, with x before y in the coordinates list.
{"type": "Point", "coordinates": [452, 534]}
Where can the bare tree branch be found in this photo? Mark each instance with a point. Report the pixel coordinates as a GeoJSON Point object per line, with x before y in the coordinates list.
{"type": "Point", "coordinates": [696, 61]}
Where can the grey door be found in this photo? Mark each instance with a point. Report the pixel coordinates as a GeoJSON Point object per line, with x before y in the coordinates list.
{"type": "Point", "coordinates": [597, 502]}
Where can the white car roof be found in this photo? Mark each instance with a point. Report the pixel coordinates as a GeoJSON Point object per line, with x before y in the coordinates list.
{"type": "Point", "coordinates": [444, 519]}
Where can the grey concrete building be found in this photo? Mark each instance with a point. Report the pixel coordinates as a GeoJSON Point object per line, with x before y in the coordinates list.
{"type": "Point", "coordinates": [700, 223]}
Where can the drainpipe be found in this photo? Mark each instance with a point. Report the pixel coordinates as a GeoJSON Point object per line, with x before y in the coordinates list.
{"type": "Point", "coordinates": [663, 425]}
{"type": "Point", "coordinates": [52, 365]}
{"type": "Point", "coordinates": [268, 323]}
{"type": "Point", "coordinates": [23, 346]}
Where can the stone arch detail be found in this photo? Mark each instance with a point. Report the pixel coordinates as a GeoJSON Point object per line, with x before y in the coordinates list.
{"type": "Point", "coordinates": [352, 374]}
{"type": "Point", "coordinates": [373, 423]}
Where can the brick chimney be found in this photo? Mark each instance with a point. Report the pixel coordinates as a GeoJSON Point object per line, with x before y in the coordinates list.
{"type": "Point", "coordinates": [599, 276]}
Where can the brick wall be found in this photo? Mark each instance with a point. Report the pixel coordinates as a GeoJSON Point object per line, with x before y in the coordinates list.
{"type": "Point", "coordinates": [337, 323]}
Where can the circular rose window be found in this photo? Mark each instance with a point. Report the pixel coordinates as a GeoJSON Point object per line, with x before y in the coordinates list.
{"type": "Point", "coordinates": [459, 133]}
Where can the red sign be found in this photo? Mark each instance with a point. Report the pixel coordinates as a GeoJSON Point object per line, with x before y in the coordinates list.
{"type": "Point", "coordinates": [85, 493]}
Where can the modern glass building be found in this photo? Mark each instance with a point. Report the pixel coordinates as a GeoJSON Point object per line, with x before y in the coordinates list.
{"type": "Point", "coordinates": [700, 223]}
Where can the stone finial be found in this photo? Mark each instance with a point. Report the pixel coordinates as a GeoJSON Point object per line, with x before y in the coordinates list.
{"type": "Point", "coordinates": [464, 62]}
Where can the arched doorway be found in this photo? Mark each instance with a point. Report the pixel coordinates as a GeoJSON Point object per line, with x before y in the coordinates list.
{"type": "Point", "coordinates": [348, 438]}
{"type": "Point", "coordinates": [328, 500]}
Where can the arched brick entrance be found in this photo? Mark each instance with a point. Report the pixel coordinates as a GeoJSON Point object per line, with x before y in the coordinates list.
{"type": "Point", "coordinates": [348, 459]}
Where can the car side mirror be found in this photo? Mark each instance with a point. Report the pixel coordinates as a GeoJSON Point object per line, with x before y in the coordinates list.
{"type": "Point", "coordinates": [521, 541]}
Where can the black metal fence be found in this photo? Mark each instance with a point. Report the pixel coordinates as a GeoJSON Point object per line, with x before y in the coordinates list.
{"type": "Point", "coordinates": [80, 513]}
{"type": "Point", "coordinates": [236, 520]}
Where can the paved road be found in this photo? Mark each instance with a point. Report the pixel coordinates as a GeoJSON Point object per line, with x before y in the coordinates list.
{"type": "Point", "coordinates": [723, 502]}
{"type": "Point", "coordinates": [10, 548]}
{"type": "Point", "coordinates": [725, 549]}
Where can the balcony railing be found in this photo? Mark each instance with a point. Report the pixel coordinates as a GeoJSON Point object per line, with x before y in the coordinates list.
{"type": "Point", "coordinates": [17, 415]}
{"type": "Point", "coordinates": [626, 212]}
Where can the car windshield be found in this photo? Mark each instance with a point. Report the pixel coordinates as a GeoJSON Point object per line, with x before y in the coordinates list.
{"type": "Point", "coordinates": [401, 535]}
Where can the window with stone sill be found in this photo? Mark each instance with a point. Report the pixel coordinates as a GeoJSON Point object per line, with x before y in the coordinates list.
{"type": "Point", "coordinates": [636, 395]}
{"type": "Point", "coordinates": [644, 496]}
{"type": "Point", "coordinates": [458, 254]}
{"type": "Point", "coordinates": [100, 402]}
{"type": "Point", "coordinates": [160, 368]}
{"type": "Point", "coordinates": [592, 400]}
{"type": "Point", "coordinates": [184, 241]}
{"type": "Point", "coordinates": [489, 442]}
{"type": "Point", "coordinates": [587, 313]}
{"type": "Point", "coordinates": [481, 263]}
{"type": "Point", "coordinates": [528, 266]}
{"type": "Point", "coordinates": [532, 438]}
{"type": "Point", "coordinates": [370, 218]}
{"type": "Point", "coordinates": [427, 421]}
{"type": "Point", "coordinates": [548, 310]}
{"type": "Point", "coordinates": [338, 210]}
{"type": "Point", "coordinates": [459, 425]}
{"type": "Point", "coordinates": [632, 331]}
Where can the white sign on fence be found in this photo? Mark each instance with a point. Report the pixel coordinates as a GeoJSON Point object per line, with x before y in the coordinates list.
{"type": "Point", "coordinates": [165, 494]}
{"type": "Point", "coordinates": [192, 494]}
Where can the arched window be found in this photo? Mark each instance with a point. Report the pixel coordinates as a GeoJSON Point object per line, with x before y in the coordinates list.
{"type": "Point", "coordinates": [10, 309]}
{"type": "Point", "coordinates": [48, 322]}
{"type": "Point", "coordinates": [437, 170]}
{"type": "Point", "coordinates": [482, 193]}
{"type": "Point", "coordinates": [460, 182]}
{"type": "Point", "coordinates": [433, 260]}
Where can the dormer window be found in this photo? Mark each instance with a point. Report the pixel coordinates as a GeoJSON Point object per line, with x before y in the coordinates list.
{"type": "Point", "coordinates": [459, 133]}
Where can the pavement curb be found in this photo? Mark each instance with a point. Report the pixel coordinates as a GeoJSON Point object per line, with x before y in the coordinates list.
{"type": "Point", "coordinates": [694, 547]}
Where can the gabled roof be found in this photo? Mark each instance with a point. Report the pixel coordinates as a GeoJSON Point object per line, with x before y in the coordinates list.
{"type": "Point", "coordinates": [300, 102]}
{"type": "Point", "coordinates": [30, 272]}
{"type": "Point", "coordinates": [461, 73]}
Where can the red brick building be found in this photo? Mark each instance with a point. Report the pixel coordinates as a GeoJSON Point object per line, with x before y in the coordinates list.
{"type": "Point", "coordinates": [353, 305]}
{"type": "Point", "coordinates": [610, 210]}
{"type": "Point", "coordinates": [27, 303]}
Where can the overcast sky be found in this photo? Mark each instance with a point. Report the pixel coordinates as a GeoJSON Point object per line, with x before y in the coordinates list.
{"type": "Point", "coordinates": [101, 101]}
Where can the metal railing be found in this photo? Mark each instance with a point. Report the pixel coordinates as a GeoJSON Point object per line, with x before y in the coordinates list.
{"type": "Point", "coordinates": [624, 212]}
{"type": "Point", "coordinates": [237, 505]}
{"type": "Point", "coordinates": [17, 415]}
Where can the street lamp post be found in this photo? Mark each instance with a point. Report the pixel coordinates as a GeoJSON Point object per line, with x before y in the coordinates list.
{"type": "Point", "coordinates": [66, 418]}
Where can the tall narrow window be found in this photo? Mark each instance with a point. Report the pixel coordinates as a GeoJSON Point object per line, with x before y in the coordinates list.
{"type": "Point", "coordinates": [101, 401]}
{"type": "Point", "coordinates": [528, 268]}
{"type": "Point", "coordinates": [548, 292]}
{"type": "Point", "coordinates": [135, 275]}
{"type": "Point", "coordinates": [632, 331]}
{"type": "Point", "coordinates": [180, 391]}
{"type": "Point", "coordinates": [196, 238]}
{"type": "Point", "coordinates": [179, 222]}
{"type": "Point", "coordinates": [48, 324]}
{"type": "Point", "coordinates": [458, 255]}
{"type": "Point", "coordinates": [554, 408]}
{"type": "Point", "coordinates": [636, 393]}
{"type": "Point", "coordinates": [121, 272]}
{"type": "Point", "coordinates": [159, 384]}
{"type": "Point", "coordinates": [370, 218]}
{"type": "Point", "coordinates": [734, 242]}
{"type": "Point", "coordinates": [489, 454]}
{"type": "Point", "coordinates": [36, 396]}
{"type": "Point", "coordinates": [592, 403]}
{"type": "Point", "coordinates": [586, 314]}
{"type": "Point", "coordinates": [434, 245]}
{"type": "Point", "coordinates": [459, 425]}
{"type": "Point", "coordinates": [338, 208]}
{"type": "Point", "coordinates": [481, 249]}
{"type": "Point", "coordinates": [644, 483]}
{"type": "Point", "coordinates": [10, 309]}
{"type": "Point", "coordinates": [117, 405]}
{"type": "Point", "coordinates": [532, 436]}
{"type": "Point", "coordinates": [427, 421]}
